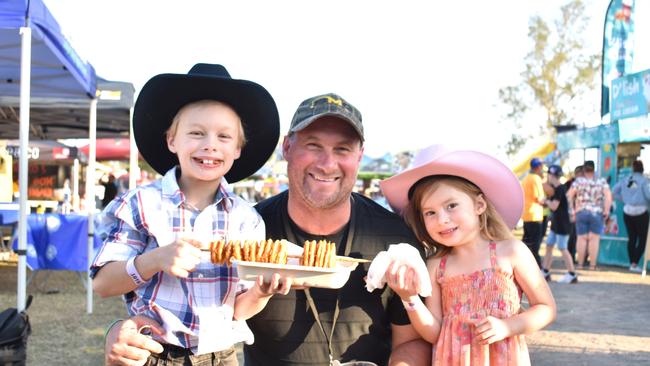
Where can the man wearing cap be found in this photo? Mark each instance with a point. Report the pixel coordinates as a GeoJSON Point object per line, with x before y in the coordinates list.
{"type": "Point", "coordinates": [560, 226]}
{"type": "Point", "coordinates": [533, 215]}
{"type": "Point", "coordinates": [318, 326]}
{"type": "Point", "coordinates": [323, 150]}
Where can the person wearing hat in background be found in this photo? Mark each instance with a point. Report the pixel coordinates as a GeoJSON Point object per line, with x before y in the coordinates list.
{"type": "Point", "coordinates": [533, 216]}
{"type": "Point", "coordinates": [634, 192]}
{"type": "Point", "coordinates": [589, 200]}
{"type": "Point", "coordinates": [464, 204]}
{"type": "Point", "coordinates": [201, 130]}
{"type": "Point", "coordinates": [323, 149]}
{"type": "Point", "coordinates": [560, 227]}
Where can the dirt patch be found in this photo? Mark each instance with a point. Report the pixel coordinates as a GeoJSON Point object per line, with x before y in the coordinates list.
{"type": "Point", "coordinates": [602, 320]}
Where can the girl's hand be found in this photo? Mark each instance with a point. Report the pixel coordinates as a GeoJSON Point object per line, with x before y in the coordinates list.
{"type": "Point", "coordinates": [278, 285]}
{"type": "Point", "coordinates": [180, 258]}
{"type": "Point", "coordinates": [490, 330]}
{"type": "Point", "coordinates": [403, 280]}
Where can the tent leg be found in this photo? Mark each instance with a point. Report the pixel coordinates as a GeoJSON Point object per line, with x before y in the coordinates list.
{"type": "Point", "coordinates": [75, 186]}
{"type": "Point", "coordinates": [90, 199]}
{"type": "Point", "coordinates": [25, 95]}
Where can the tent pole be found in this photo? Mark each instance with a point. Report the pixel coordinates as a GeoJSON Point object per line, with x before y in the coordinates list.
{"type": "Point", "coordinates": [75, 185]}
{"type": "Point", "coordinates": [90, 197]}
{"type": "Point", "coordinates": [25, 76]}
{"type": "Point", "coordinates": [133, 154]}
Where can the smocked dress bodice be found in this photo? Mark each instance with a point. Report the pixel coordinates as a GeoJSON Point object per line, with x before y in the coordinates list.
{"type": "Point", "coordinates": [488, 292]}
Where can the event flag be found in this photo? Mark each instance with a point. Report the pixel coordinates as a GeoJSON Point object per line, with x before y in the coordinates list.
{"type": "Point", "coordinates": [618, 39]}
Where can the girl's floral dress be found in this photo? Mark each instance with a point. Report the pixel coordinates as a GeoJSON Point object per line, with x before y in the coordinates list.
{"type": "Point", "coordinates": [491, 291]}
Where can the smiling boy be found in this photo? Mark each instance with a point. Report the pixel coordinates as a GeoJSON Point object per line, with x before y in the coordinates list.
{"type": "Point", "coordinates": [194, 129]}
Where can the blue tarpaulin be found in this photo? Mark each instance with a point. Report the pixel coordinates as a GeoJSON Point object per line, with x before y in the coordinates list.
{"type": "Point", "coordinates": [57, 242]}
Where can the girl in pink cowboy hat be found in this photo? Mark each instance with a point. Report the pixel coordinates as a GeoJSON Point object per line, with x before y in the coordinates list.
{"type": "Point", "coordinates": [462, 205]}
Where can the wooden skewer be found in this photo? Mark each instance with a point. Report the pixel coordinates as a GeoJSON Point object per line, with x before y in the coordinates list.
{"type": "Point", "coordinates": [350, 259]}
{"type": "Point", "coordinates": [340, 258]}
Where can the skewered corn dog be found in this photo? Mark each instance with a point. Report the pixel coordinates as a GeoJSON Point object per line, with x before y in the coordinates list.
{"type": "Point", "coordinates": [319, 254]}
{"type": "Point", "coordinates": [265, 251]}
{"type": "Point", "coordinates": [315, 254]}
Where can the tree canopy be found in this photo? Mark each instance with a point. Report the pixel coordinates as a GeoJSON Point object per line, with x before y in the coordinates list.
{"type": "Point", "coordinates": [558, 75]}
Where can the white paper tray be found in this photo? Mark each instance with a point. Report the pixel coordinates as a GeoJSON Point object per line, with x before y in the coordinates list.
{"type": "Point", "coordinates": [302, 276]}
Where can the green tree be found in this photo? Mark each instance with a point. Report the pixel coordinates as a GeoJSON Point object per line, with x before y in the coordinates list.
{"type": "Point", "coordinates": [558, 72]}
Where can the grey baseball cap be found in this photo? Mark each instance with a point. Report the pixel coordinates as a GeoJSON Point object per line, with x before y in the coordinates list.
{"type": "Point", "coordinates": [326, 105]}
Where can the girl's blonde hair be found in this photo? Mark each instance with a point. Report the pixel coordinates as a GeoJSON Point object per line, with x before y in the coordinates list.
{"type": "Point", "coordinates": [171, 131]}
{"type": "Point", "coordinates": [491, 224]}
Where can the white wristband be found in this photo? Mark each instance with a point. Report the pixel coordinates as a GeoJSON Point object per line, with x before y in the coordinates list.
{"type": "Point", "coordinates": [133, 272]}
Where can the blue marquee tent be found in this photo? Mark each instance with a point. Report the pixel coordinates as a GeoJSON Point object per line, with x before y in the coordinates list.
{"type": "Point", "coordinates": [36, 61]}
{"type": "Point", "coordinates": [56, 69]}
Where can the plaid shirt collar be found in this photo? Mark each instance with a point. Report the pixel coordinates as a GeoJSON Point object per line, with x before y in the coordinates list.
{"type": "Point", "coordinates": [172, 192]}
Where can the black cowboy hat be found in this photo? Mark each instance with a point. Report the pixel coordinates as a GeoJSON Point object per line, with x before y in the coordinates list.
{"type": "Point", "coordinates": [164, 95]}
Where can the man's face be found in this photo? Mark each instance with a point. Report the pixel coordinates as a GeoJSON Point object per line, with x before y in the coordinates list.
{"type": "Point", "coordinates": [322, 162]}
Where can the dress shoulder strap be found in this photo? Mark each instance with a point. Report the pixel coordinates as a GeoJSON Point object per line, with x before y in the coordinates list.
{"type": "Point", "coordinates": [441, 267]}
{"type": "Point", "coordinates": [493, 254]}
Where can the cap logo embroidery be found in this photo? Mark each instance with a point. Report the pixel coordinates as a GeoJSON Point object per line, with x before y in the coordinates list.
{"type": "Point", "coordinates": [330, 100]}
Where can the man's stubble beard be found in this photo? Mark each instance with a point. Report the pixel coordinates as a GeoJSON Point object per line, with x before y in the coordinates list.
{"type": "Point", "coordinates": [326, 201]}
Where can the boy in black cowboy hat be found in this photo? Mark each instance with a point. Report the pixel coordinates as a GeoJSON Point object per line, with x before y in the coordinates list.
{"type": "Point", "coordinates": [196, 129]}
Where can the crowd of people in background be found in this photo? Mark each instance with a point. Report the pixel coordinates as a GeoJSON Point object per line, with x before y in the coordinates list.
{"type": "Point", "coordinates": [580, 209]}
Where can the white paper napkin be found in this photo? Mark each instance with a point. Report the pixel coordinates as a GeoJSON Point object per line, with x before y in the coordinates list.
{"type": "Point", "coordinates": [401, 254]}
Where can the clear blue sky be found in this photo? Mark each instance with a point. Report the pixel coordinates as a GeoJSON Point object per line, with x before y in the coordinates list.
{"type": "Point", "coordinates": [419, 71]}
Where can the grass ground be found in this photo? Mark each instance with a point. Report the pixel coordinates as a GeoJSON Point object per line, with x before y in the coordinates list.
{"type": "Point", "coordinates": [602, 320]}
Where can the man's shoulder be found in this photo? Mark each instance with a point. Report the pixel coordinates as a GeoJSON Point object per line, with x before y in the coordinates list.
{"type": "Point", "coordinates": [271, 204]}
{"type": "Point", "coordinates": [372, 208]}
{"type": "Point", "coordinates": [375, 220]}
{"type": "Point", "coordinates": [531, 179]}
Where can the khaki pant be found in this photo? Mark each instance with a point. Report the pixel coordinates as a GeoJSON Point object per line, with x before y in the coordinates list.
{"type": "Point", "coordinates": [178, 356]}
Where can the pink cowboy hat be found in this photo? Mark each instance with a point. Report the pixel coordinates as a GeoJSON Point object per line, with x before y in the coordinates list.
{"type": "Point", "coordinates": [496, 180]}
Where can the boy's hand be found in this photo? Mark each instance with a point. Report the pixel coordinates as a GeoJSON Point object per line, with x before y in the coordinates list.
{"type": "Point", "coordinates": [403, 280]}
{"type": "Point", "coordinates": [180, 258]}
{"type": "Point", "coordinates": [278, 285]}
{"type": "Point", "coordinates": [490, 329]}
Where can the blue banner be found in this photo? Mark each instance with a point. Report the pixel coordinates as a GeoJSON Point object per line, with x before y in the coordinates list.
{"type": "Point", "coordinates": [617, 47]}
{"type": "Point", "coordinates": [631, 95]}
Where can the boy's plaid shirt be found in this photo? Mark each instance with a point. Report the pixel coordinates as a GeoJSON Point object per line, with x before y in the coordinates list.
{"type": "Point", "coordinates": [157, 214]}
